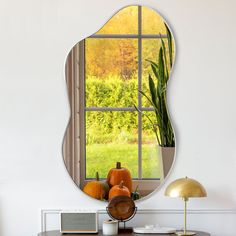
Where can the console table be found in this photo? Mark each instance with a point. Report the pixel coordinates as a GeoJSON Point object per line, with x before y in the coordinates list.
{"type": "Point", "coordinates": [57, 233]}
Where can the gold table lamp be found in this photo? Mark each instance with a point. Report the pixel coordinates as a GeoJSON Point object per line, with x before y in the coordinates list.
{"type": "Point", "coordinates": [185, 188]}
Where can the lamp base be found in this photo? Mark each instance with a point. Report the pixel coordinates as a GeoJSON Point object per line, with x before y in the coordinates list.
{"type": "Point", "coordinates": [181, 233]}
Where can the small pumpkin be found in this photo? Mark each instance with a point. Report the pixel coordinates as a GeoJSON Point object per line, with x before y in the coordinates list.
{"type": "Point", "coordinates": [119, 190]}
{"type": "Point", "coordinates": [118, 174]}
{"type": "Point", "coordinates": [106, 188]}
{"type": "Point", "coordinates": [96, 188]}
{"type": "Point", "coordinates": [135, 195]}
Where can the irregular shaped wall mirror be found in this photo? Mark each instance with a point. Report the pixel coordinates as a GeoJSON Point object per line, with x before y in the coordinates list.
{"type": "Point", "coordinates": [119, 128]}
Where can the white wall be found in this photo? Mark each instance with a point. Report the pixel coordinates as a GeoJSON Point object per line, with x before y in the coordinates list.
{"type": "Point", "coordinates": [35, 37]}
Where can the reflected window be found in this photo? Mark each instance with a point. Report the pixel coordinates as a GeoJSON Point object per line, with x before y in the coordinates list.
{"type": "Point", "coordinates": [115, 69]}
{"type": "Point", "coordinates": [107, 70]}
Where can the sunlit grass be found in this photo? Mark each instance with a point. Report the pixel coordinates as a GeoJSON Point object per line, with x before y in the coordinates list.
{"type": "Point", "coordinates": [103, 157]}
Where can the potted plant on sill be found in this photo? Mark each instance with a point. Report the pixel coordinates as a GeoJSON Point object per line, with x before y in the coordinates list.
{"type": "Point", "coordinates": [157, 97]}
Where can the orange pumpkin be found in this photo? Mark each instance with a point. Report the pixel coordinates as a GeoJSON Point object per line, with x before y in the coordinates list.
{"type": "Point", "coordinates": [119, 190]}
{"type": "Point", "coordinates": [106, 188]}
{"type": "Point", "coordinates": [95, 189]}
{"type": "Point", "coordinates": [118, 174]}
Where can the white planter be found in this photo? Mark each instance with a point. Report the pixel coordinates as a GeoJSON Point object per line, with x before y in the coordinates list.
{"type": "Point", "coordinates": [166, 155]}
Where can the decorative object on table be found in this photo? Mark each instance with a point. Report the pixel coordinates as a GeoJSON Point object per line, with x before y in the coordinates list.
{"type": "Point", "coordinates": [118, 174]}
{"type": "Point", "coordinates": [119, 190]}
{"type": "Point", "coordinates": [123, 209]}
{"type": "Point", "coordinates": [80, 221]}
{"type": "Point", "coordinates": [161, 125]}
{"type": "Point", "coordinates": [97, 189]}
{"type": "Point", "coordinates": [151, 229]}
{"type": "Point", "coordinates": [185, 188]}
{"type": "Point", "coordinates": [110, 227]}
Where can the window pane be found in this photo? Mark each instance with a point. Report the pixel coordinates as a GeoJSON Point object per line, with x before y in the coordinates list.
{"type": "Point", "coordinates": [111, 72]}
{"type": "Point", "coordinates": [124, 22]}
{"type": "Point", "coordinates": [111, 136]}
{"type": "Point", "coordinates": [152, 22]}
{"type": "Point", "coordinates": [150, 159]}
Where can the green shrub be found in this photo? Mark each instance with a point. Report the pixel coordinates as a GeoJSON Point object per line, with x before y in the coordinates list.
{"type": "Point", "coordinates": [113, 126]}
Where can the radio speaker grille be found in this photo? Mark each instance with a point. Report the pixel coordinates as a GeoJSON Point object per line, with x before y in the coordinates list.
{"type": "Point", "coordinates": [79, 222]}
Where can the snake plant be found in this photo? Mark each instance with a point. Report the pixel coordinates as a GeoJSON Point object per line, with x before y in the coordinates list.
{"type": "Point", "coordinates": [157, 93]}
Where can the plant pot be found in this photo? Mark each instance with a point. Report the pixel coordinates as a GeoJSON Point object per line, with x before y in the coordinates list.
{"type": "Point", "coordinates": [166, 155]}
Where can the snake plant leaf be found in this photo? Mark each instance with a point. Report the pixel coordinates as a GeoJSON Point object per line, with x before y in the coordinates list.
{"type": "Point", "coordinates": [153, 63]}
{"type": "Point", "coordinates": [165, 60]}
{"type": "Point", "coordinates": [148, 98]}
{"type": "Point", "coordinates": [161, 70]}
{"type": "Point", "coordinates": [154, 67]}
{"type": "Point", "coordinates": [155, 71]}
{"type": "Point", "coordinates": [152, 90]}
{"type": "Point", "coordinates": [169, 38]}
{"type": "Point", "coordinates": [152, 123]}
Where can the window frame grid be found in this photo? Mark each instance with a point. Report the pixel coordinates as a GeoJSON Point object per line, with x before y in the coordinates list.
{"type": "Point", "coordinates": [137, 181]}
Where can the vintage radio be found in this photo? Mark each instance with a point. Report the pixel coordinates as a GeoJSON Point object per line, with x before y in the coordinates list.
{"type": "Point", "coordinates": [79, 221]}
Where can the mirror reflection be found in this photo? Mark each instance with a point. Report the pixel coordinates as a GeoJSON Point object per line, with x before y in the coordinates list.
{"type": "Point", "coordinates": [119, 140]}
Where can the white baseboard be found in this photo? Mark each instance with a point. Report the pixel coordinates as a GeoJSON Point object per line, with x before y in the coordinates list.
{"type": "Point", "coordinates": [50, 217]}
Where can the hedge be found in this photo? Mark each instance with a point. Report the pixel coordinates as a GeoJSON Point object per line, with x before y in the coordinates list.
{"type": "Point", "coordinates": [113, 126]}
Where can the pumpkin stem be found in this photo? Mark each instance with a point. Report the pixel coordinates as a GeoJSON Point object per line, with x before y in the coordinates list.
{"type": "Point", "coordinates": [118, 165]}
{"type": "Point", "coordinates": [136, 189]}
{"type": "Point", "coordinates": [121, 185]}
{"type": "Point", "coordinates": [97, 176]}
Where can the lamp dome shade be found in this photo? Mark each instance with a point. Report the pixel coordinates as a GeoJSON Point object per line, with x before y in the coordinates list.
{"type": "Point", "coordinates": [185, 188]}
